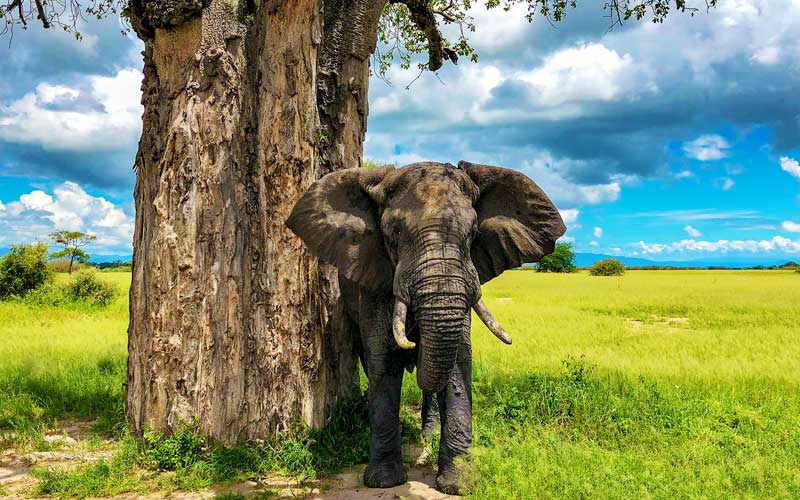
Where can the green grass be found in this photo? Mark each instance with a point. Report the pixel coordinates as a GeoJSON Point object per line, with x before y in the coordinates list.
{"type": "Point", "coordinates": [657, 384]}
{"type": "Point", "coordinates": [58, 363]}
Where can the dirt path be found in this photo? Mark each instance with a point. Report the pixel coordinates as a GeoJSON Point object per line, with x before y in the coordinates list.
{"type": "Point", "coordinates": [74, 446]}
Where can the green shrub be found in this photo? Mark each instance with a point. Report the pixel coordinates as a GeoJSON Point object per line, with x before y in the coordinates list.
{"type": "Point", "coordinates": [86, 287]}
{"type": "Point", "coordinates": [562, 260]}
{"type": "Point", "coordinates": [50, 294]}
{"type": "Point", "coordinates": [607, 267]}
{"type": "Point", "coordinates": [23, 269]}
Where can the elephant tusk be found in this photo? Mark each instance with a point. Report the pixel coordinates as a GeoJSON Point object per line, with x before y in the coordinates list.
{"type": "Point", "coordinates": [399, 326]}
{"type": "Point", "coordinates": [492, 324]}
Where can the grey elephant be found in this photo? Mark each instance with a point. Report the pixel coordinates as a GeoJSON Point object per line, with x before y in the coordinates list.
{"type": "Point", "coordinates": [412, 246]}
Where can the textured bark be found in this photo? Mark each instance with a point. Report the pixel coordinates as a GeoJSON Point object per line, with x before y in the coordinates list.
{"type": "Point", "coordinates": [233, 322]}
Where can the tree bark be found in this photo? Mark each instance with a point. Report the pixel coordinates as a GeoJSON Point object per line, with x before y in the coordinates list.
{"type": "Point", "coordinates": [233, 323]}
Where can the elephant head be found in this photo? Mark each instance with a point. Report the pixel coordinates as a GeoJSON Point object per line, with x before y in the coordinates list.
{"type": "Point", "coordinates": [429, 234]}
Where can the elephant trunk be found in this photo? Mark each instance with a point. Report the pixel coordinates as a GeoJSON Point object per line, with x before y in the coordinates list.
{"type": "Point", "coordinates": [441, 298]}
{"type": "Point", "coordinates": [443, 325]}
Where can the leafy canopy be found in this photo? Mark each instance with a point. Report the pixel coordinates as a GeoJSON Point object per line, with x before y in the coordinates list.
{"type": "Point", "coordinates": [73, 243]}
{"type": "Point", "coordinates": [562, 260]}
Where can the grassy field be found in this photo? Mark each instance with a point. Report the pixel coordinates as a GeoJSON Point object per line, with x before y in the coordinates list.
{"type": "Point", "coordinates": [658, 384]}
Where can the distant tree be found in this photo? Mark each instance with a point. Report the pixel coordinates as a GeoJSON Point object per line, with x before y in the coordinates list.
{"type": "Point", "coordinates": [23, 269]}
{"type": "Point", "coordinates": [562, 260]}
{"type": "Point", "coordinates": [73, 242]}
{"type": "Point", "coordinates": [607, 267]}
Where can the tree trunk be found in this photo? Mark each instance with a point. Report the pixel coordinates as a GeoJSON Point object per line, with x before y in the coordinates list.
{"type": "Point", "coordinates": [233, 323]}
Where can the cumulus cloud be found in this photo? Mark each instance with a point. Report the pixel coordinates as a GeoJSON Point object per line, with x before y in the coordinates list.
{"type": "Point", "coordinates": [598, 232]}
{"type": "Point", "coordinates": [691, 231]}
{"type": "Point", "coordinates": [38, 213]}
{"type": "Point", "coordinates": [570, 216]}
{"type": "Point", "coordinates": [776, 244]}
{"type": "Point", "coordinates": [589, 72]}
{"type": "Point", "coordinates": [791, 166]}
{"type": "Point", "coordinates": [60, 118]}
{"type": "Point", "coordinates": [85, 132]}
{"type": "Point", "coordinates": [792, 227]}
{"type": "Point", "coordinates": [707, 148]}
{"type": "Point", "coordinates": [609, 106]}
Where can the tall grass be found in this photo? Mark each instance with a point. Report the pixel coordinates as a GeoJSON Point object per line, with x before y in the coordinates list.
{"type": "Point", "coordinates": [657, 384]}
{"type": "Point", "coordinates": [58, 363]}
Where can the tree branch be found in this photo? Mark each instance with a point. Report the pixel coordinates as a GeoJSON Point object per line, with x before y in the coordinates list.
{"type": "Point", "coordinates": [41, 14]}
{"type": "Point", "coordinates": [424, 18]}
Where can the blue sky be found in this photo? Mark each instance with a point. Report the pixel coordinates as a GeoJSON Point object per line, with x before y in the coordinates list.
{"type": "Point", "coordinates": [669, 142]}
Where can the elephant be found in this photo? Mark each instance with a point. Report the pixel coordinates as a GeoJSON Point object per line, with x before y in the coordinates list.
{"type": "Point", "coordinates": [412, 245]}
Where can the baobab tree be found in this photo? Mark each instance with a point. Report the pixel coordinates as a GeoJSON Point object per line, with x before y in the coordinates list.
{"type": "Point", "coordinates": [246, 103]}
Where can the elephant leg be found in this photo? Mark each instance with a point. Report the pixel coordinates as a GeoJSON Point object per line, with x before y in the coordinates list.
{"type": "Point", "coordinates": [430, 414]}
{"type": "Point", "coordinates": [384, 366]}
{"type": "Point", "coordinates": [385, 467]}
{"type": "Point", "coordinates": [455, 412]}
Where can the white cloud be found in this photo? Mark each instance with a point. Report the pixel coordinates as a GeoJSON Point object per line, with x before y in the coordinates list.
{"type": "Point", "coordinates": [707, 147]}
{"type": "Point", "coordinates": [792, 227]}
{"type": "Point", "coordinates": [594, 244]}
{"type": "Point", "coordinates": [544, 170]}
{"type": "Point", "coordinates": [598, 232]}
{"type": "Point", "coordinates": [691, 231]}
{"type": "Point", "coordinates": [37, 214]}
{"type": "Point", "coordinates": [791, 166]}
{"type": "Point", "coordinates": [767, 55]}
{"type": "Point", "coordinates": [705, 214]}
{"type": "Point", "coordinates": [61, 118]}
{"type": "Point", "coordinates": [727, 184]}
{"type": "Point", "coordinates": [776, 244]}
{"type": "Point", "coordinates": [589, 72]}
{"type": "Point", "coordinates": [499, 29]}
{"type": "Point", "coordinates": [570, 216]}
{"type": "Point", "coordinates": [566, 239]}
{"type": "Point", "coordinates": [684, 174]}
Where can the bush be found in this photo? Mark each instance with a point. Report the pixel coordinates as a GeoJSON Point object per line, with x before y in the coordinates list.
{"type": "Point", "coordinates": [607, 267]}
{"type": "Point", "coordinates": [24, 269]}
{"type": "Point", "coordinates": [86, 287]}
{"type": "Point", "coordinates": [562, 260]}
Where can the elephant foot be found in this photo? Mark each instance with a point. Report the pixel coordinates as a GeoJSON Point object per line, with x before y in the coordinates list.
{"type": "Point", "coordinates": [385, 475]}
{"type": "Point", "coordinates": [451, 481]}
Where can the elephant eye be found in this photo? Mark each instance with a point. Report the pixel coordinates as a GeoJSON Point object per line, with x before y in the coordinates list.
{"type": "Point", "coordinates": [396, 230]}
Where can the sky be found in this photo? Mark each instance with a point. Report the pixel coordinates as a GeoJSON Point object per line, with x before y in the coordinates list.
{"type": "Point", "coordinates": [677, 141]}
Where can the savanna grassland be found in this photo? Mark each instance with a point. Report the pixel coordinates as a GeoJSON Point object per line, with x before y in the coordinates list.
{"type": "Point", "coordinates": [657, 384]}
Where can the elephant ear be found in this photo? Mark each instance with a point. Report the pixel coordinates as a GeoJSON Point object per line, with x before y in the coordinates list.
{"type": "Point", "coordinates": [517, 222]}
{"type": "Point", "coordinates": [339, 221]}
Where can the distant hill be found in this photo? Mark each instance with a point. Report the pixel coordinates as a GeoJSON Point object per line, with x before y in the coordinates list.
{"type": "Point", "coordinates": [588, 259]}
